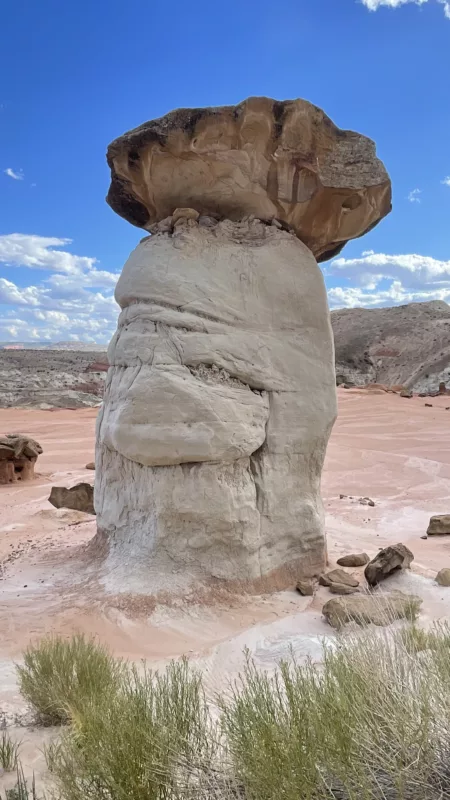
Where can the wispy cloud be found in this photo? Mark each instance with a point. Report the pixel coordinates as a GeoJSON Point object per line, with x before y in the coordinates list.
{"type": "Point", "coordinates": [17, 176]}
{"type": "Point", "coordinates": [446, 5]}
{"type": "Point", "coordinates": [374, 5]}
{"type": "Point", "coordinates": [446, 181]}
{"type": "Point", "coordinates": [413, 196]}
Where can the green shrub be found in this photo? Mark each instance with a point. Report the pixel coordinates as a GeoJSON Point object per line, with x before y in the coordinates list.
{"type": "Point", "coordinates": [371, 721]}
{"type": "Point", "coordinates": [9, 752]}
{"type": "Point", "coordinates": [58, 675]}
{"type": "Point", "coordinates": [142, 743]}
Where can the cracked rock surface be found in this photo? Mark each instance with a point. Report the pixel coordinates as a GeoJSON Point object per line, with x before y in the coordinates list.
{"type": "Point", "coordinates": [218, 406]}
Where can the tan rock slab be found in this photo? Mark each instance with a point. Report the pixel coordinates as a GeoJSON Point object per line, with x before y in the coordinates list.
{"type": "Point", "coordinates": [377, 609]}
{"type": "Point", "coordinates": [439, 524]}
{"type": "Point", "coordinates": [354, 560]}
{"type": "Point", "coordinates": [284, 161]}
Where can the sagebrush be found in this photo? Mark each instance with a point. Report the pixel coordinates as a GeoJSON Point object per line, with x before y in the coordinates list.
{"type": "Point", "coordinates": [58, 675]}
{"type": "Point", "coordinates": [371, 721]}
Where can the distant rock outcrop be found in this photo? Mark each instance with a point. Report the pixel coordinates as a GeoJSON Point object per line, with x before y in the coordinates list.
{"type": "Point", "coordinates": [407, 346]}
{"type": "Point", "coordinates": [51, 378]}
{"type": "Point", "coordinates": [18, 455]}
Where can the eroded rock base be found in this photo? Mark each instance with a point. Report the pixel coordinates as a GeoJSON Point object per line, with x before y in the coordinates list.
{"type": "Point", "coordinates": [219, 403]}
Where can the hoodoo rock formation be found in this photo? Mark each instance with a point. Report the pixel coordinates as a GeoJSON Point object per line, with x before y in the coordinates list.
{"type": "Point", "coordinates": [18, 455]}
{"type": "Point", "coordinates": [220, 396]}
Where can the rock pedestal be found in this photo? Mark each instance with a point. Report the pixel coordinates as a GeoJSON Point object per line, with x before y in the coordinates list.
{"type": "Point", "coordinates": [18, 456]}
{"type": "Point", "coordinates": [220, 396]}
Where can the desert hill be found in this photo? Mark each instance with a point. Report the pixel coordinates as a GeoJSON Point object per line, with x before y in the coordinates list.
{"type": "Point", "coordinates": [407, 345]}
{"type": "Point", "coordinates": [51, 378]}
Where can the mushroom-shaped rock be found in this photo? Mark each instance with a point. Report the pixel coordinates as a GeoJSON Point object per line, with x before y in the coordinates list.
{"type": "Point", "coordinates": [18, 455]}
{"type": "Point", "coordinates": [285, 161]}
{"type": "Point", "coordinates": [221, 393]}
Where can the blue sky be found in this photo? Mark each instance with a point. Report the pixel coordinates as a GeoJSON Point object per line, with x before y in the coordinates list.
{"type": "Point", "coordinates": [77, 74]}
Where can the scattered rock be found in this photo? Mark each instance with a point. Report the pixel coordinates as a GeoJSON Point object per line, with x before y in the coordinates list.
{"type": "Point", "coordinates": [406, 393]}
{"type": "Point", "coordinates": [342, 588]}
{"type": "Point", "coordinates": [18, 455]}
{"type": "Point", "coordinates": [377, 609]}
{"type": "Point", "coordinates": [78, 498]}
{"type": "Point", "coordinates": [428, 405]}
{"type": "Point", "coordinates": [306, 588]}
{"type": "Point", "coordinates": [389, 560]}
{"type": "Point", "coordinates": [424, 536]}
{"type": "Point", "coordinates": [443, 577]}
{"type": "Point", "coordinates": [354, 560]}
{"type": "Point", "coordinates": [342, 496]}
{"type": "Point", "coordinates": [91, 465]}
{"type": "Point", "coordinates": [439, 524]}
{"type": "Point", "coordinates": [366, 501]}
{"type": "Point", "coordinates": [338, 576]}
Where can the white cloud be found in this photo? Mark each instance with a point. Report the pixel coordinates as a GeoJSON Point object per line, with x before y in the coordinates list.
{"type": "Point", "coordinates": [413, 196]}
{"type": "Point", "coordinates": [374, 5]}
{"type": "Point", "coordinates": [446, 181]}
{"type": "Point", "coordinates": [379, 279]}
{"type": "Point", "coordinates": [17, 176]}
{"type": "Point", "coordinates": [74, 300]}
{"type": "Point", "coordinates": [446, 5]}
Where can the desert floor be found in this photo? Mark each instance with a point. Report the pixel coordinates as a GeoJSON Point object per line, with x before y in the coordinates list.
{"type": "Point", "coordinates": [392, 449]}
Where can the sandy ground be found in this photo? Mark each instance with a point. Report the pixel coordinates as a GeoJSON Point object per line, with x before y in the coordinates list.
{"type": "Point", "coordinates": [395, 450]}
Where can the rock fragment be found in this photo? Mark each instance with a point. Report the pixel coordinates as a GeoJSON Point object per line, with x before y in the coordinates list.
{"type": "Point", "coordinates": [388, 560]}
{"type": "Point", "coordinates": [354, 560]}
{"type": "Point", "coordinates": [79, 497]}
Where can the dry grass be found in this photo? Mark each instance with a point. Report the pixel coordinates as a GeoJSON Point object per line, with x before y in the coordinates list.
{"type": "Point", "coordinates": [57, 674]}
{"type": "Point", "coordinates": [370, 722]}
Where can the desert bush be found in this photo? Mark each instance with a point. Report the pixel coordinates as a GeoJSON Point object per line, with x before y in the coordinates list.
{"type": "Point", "coordinates": [58, 675]}
{"type": "Point", "coordinates": [371, 721]}
{"type": "Point", "coordinates": [142, 743]}
{"type": "Point", "coordinates": [9, 752]}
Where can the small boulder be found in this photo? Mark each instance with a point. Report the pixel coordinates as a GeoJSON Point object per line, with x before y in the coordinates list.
{"type": "Point", "coordinates": [342, 588]}
{"type": "Point", "coordinates": [306, 588]}
{"type": "Point", "coordinates": [78, 498]}
{"type": "Point", "coordinates": [406, 393]}
{"type": "Point", "coordinates": [91, 465]}
{"type": "Point", "coordinates": [428, 405]}
{"type": "Point", "coordinates": [366, 501]}
{"type": "Point", "coordinates": [365, 609]}
{"type": "Point", "coordinates": [439, 524]}
{"type": "Point", "coordinates": [354, 560]}
{"type": "Point", "coordinates": [340, 577]}
{"type": "Point", "coordinates": [443, 577]}
{"type": "Point", "coordinates": [387, 561]}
